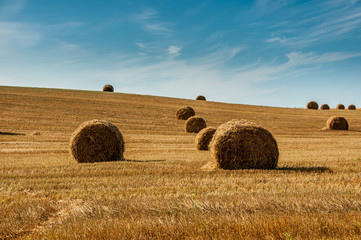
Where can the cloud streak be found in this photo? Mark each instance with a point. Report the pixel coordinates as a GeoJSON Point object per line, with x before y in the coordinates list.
{"type": "Point", "coordinates": [150, 21]}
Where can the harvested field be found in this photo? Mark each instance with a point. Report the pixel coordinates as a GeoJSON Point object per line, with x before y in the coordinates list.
{"type": "Point", "coordinates": [161, 190]}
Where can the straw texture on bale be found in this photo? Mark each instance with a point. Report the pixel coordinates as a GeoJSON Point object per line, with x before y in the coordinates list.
{"type": "Point", "coordinates": [108, 88]}
{"type": "Point", "coordinates": [204, 137]}
{"type": "Point", "coordinates": [200, 97]}
{"type": "Point", "coordinates": [184, 113]}
{"type": "Point", "coordinates": [337, 123]}
{"type": "Point", "coordinates": [340, 106]}
{"type": "Point", "coordinates": [352, 107]}
{"type": "Point", "coordinates": [325, 107]}
{"type": "Point", "coordinates": [195, 124]}
{"type": "Point", "coordinates": [97, 141]}
{"type": "Point", "coordinates": [312, 105]}
{"type": "Point", "coordinates": [239, 144]}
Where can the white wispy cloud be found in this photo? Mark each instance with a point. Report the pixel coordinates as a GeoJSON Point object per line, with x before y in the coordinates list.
{"type": "Point", "coordinates": [324, 21]}
{"type": "Point", "coordinates": [11, 7]}
{"type": "Point", "coordinates": [150, 21]}
{"type": "Point", "coordinates": [174, 50]}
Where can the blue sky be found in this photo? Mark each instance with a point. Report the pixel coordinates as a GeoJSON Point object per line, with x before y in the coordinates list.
{"type": "Point", "coordinates": [263, 52]}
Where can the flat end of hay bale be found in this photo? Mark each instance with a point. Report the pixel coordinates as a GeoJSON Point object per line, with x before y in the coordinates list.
{"type": "Point", "coordinates": [108, 88]}
{"type": "Point", "coordinates": [195, 124]}
{"type": "Point", "coordinates": [184, 113]}
{"type": "Point", "coordinates": [240, 144]}
{"type": "Point", "coordinates": [312, 105]}
{"type": "Point", "coordinates": [337, 123]}
{"type": "Point", "coordinates": [97, 141]}
{"type": "Point", "coordinates": [204, 137]}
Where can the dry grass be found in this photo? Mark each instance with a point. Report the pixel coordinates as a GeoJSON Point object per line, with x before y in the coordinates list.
{"type": "Point", "coordinates": [160, 191]}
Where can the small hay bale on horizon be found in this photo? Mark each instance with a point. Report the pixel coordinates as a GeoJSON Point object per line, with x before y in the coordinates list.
{"type": "Point", "coordinates": [351, 107]}
{"type": "Point", "coordinates": [337, 123]}
{"type": "Point", "coordinates": [108, 88]}
{"type": "Point", "coordinates": [325, 107]}
{"type": "Point", "coordinates": [184, 113]}
{"type": "Point", "coordinates": [340, 106]}
{"type": "Point", "coordinates": [195, 124]}
{"type": "Point", "coordinates": [312, 105]}
{"type": "Point", "coordinates": [204, 137]}
{"type": "Point", "coordinates": [240, 144]}
{"type": "Point", "coordinates": [200, 97]}
{"type": "Point", "coordinates": [97, 141]}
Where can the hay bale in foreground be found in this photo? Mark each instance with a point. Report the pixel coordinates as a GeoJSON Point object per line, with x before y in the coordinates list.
{"type": "Point", "coordinates": [195, 124]}
{"type": "Point", "coordinates": [97, 141]}
{"type": "Point", "coordinates": [108, 88]}
{"type": "Point", "coordinates": [204, 137]}
{"type": "Point", "coordinates": [340, 106]}
{"type": "Point", "coordinates": [312, 105]}
{"type": "Point", "coordinates": [337, 123]}
{"type": "Point", "coordinates": [200, 97]}
{"type": "Point", "coordinates": [351, 107]}
{"type": "Point", "coordinates": [325, 107]}
{"type": "Point", "coordinates": [239, 144]}
{"type": "Point", "coordinates": [184, 113]}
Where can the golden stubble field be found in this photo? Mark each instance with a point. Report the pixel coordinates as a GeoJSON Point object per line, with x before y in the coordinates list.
{"type": "Point", "coordinates": [161, 191]}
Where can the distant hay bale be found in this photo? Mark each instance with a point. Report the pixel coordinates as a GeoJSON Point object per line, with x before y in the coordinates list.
{"type": "Point", "coordinates": [239, 144]}
{"type": "Point", "coordinates": [340, 106]}
{"type": "Point", "coordinates": [325, 107]}
{"type": "Point", "coordinates": [204, 137]}
{"type": "Point", "coordinates": [108, 88]}
{"type": "Point", "coordinates": [184, 113]}
{"type": "Point", "coordinates": [351, 107]}
{"type": "Point", "coordinates": [195, 124]}
{"type": "Point", "coordinates": [35, 133]}
{"type": "Point", "coordinates": [97, 141]}
{"type": "Point", "coordinates": [200, 97]}
{"type": "Point", "coordinates": [312, 105]}
{"type": "Point", "coordinates": [337, 123]}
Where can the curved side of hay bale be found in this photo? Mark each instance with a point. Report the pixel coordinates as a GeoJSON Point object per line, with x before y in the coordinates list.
{"type": "Point", "coordinates": [200, 97]}
{"type": "Point", "coordinates": [325, 107]}
{"type": "Point", "coordinates": [312, 105]}
{"type": "Point", "coordinates": [351, 107]}
{"type": "Point", "coordinates": [184, 113]}
{"type": "Point", "coordinates": [195, 124]}
{"type": "Point", "coordinates": [337, 123]}
{"type": "Point", "coordinates": [340, 106]}
{"type": "Point", "coordinates": [239, 144]}
{"type": "Point", "coordinates": [204, 137]}
{"type": "Point", "coordinates": [108, 88]}
{"type": "Point", "coordinates": [97, 141]}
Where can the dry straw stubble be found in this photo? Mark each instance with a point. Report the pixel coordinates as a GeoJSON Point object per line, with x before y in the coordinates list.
{"type": "Point", "coordinates": [337, 123]}
{"type": "Point", "coordinates": [204, 137]}
{"type": "Point", "coordinates": [108, 88]}
{"type": "Point", "coordinates": [195, 124]}
{"type": "Point", "coordinates": [97, 141]}
{"type": "Point", "coordinates": [240, 144]}
{"type": "Point", "coordinates": [184, 113]}
{"type": "Point", "coordinates": [312, 105]}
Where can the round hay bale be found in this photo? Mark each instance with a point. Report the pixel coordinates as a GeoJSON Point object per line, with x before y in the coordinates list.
{"type": "Point", "coordinates": [337, 123]}
{"type": "Point", "coordinates": [312, 105]}
{"type": "Point", "coordinates": [184, 113]}
{"type": "Point", "coordinates": [35, 133]}
{"type": "Point", "coordinates": [340, 106]}
{"type": "Point", "coordinates": [200, 97]}
{"type": "Point", "coordinates": [195, 124]}
{"type": "Point", "coordinates": [239, 144]}
{"type": "Point", "coordinates": [108, 88]}
{"type": "Point", "coordinates": [97, 141]}
{"type": "Point", "coordinates": [352, 107]}
{"type": "Point", "coordinates": [204, 137]}
{"type": "Point", "coordinates": [325, 107]}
